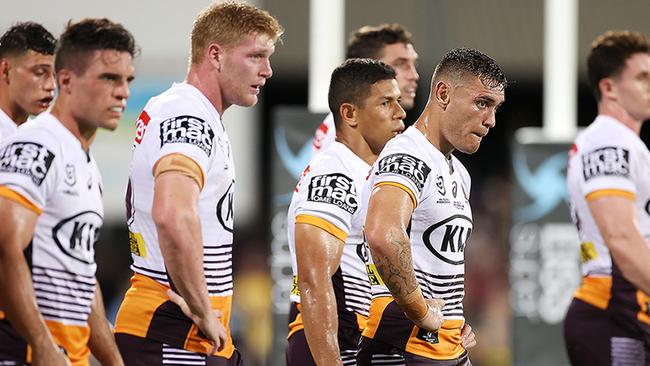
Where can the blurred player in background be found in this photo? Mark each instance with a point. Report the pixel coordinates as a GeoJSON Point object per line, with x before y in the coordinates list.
{"type": "Point", "coordinates": [180, 195]}
{"type": "Point", "coordinates": [331, 292]}
{"type": "Point", "coordinates": [26, 74]}
{"type": "Point", "coordinates": [51, 206]}
{"type": "Point", "coordinates": [391, 44]}
{"type": "Point", "coordinates": [419, 218]}
{"type": "Point", "coordinates": [609, 186]}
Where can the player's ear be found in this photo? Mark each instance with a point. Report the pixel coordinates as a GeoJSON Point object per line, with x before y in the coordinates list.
{"type": "Point", "coordinates": [214, 55]}
{"type": "Point", "coordinates": [64, 81]}
{"type": "Point", "coordinates": [348, 113]}
{"type": "Point", "coordinates": [607, 88]}
{"type": "Point", "coordinates": [442, 93]}
{"type": "Point", "coordinates": [4, 70]}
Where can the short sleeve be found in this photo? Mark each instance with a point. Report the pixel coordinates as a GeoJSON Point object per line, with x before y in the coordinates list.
{"type": "Point", "coordinates": [608, 170]}
{"type": "Point", "coordinates": [402, 170]}
{"type": "Point", "coordinates": [329, 200]}
{"type": "Point", "coordinates": [28, 168]}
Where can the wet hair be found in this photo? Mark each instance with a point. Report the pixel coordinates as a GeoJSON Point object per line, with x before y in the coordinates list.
{"type": "Point", "coordinates": [461, 62]}
{"type": "Point", "coordinates": [80, 39]}
{"type": "Point", "coordinates": [609, 53]}
{"type": "Point", "coordinates": [369, 41]}
{"type": "Point", "coordinates": [352, 80]}
{"type": "Point", "coordinates": [26, 36]}
{"type": "Point", "coordinates": [227, 24]}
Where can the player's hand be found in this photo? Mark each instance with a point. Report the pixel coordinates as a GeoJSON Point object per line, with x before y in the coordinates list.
{"type": "Point", "coordinates": [467, 336]}
{"type": "Point", "coordinates": [433, 319]}
{"type": "Point", "coordinates": [209, 324]}
{"type": "Point", "coordinates": [48, 355]}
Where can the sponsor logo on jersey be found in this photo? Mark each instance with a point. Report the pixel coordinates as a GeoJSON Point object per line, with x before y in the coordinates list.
{"type": "Point", "coordinates": [447, 238]}
{"type": "Point", "coordinates": [405, 165]}
{"type": "Point", "coordinates": [428, 336]}
{"type": "Point", "coordinates": [335, 189]}
{"type": "Point", "coordinates": [141, 127]}
{"type": "Point", "coordinates": [225, 208]}
{"type": "Point", "coordinates": [70, 175]}
{"type": "Point", "coordinates": [187, 130]}
{"type": "Point", "coordinates": [606, 161]}
{"type": "Point", "coordinates": [440, 184]}
{"type": "Point", "coordinates": [28, 158]}
{"type": "Point", "coordinates": [76, 235]}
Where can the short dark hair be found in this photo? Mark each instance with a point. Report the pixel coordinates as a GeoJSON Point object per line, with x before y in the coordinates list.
{"type": "Point", "coordinates": [369, 41]}
{"type": "Point", "coordinates": [88, 35]}
{"type": "Point", "coordinates": [609, 53]}
{"type": "Point", "coordinates": [25, 36]}
{"type": "Point", "coordinates": [460, 62]}
{"type": "Point", "coordinates": [352, 80]}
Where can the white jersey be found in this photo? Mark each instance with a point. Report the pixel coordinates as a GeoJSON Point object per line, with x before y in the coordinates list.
{"type": "Point", "coordinates": [325, 135]}
{"type": "Point", "coordinates": [7, 126]}
{"type": "Point", "coordinates": [609, 158]}
{"type": "Point", "coordinates": [327, 196]}
{"type": "Point", "coordinates": [182, 120]}
{"type": "Point", "coordinates": [441, 223]}
{"type": "Point", "coordinates": [44, 167]}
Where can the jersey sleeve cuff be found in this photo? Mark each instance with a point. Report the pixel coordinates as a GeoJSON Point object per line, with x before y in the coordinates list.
{"type": "Point", "coordinates": [402, 187]}
{"type": "Point", "coordinates": [20, 199]}
{"type": "Point", "coordinates": [322, 224]}
{"type": "Point", "coordinates": [610, 192]}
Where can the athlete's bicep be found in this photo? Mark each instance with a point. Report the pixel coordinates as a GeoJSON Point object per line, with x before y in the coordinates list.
{"type": "Point", "coordinates": [18, 223]}
{"type": "Point", "coordinates": [390, 208]}
{"type": "Point", "coordinates": [615, 216]}
{"type": "Point", "coordinates": [318, 251]}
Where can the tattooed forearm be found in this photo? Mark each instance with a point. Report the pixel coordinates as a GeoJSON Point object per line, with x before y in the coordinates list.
{"type": "Point", "coordinates": [395, 267]}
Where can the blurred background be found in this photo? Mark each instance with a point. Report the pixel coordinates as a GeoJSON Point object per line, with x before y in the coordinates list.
{"type": "Point", "coordinates": [521, 262]}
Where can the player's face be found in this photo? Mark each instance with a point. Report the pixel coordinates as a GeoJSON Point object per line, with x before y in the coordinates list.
{"type": "Point", "coordinates": [632, 87]}
{"type": "Point", "coordinates": [380, 116]}
{"type": "Point", "coordinates": [403, 58]}
{"type": "Point", "coordinates": [100, 93]}
{"type": "Point", "coordinates": [469, 115]}
{"type": "Point", "coordinates": [31, 81]}
{"type": "Point", "coordinates": [245, 68]}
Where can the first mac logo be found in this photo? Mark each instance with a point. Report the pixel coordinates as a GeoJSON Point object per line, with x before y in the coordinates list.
{"type": "Point", "coordinates": [27, 158]}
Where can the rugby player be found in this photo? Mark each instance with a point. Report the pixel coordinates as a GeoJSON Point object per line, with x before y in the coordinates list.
{"type": "Point", "coordinates": [51, 206]}
{"type": "Point", "coordinates": [180, 195]}
{"type": "Point", "coordinates": [419, 219]}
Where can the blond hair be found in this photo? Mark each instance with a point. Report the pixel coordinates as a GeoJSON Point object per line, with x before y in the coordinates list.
{"type": "Point", "coordinates": [227, 24]}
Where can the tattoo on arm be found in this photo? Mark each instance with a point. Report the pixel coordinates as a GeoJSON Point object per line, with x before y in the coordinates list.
{"type": "Point", "coordinates": [396, 269]}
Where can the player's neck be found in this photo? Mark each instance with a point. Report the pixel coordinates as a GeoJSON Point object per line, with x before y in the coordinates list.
{"type": "Point", "coordinates": [616, 111]}
{"type": "Point", "coordinates": [358, 145]}
{"type": "Point", "coordinates": [15, 113]}
{"type": "Point", "coordinates": [203, 78]}
{"type": "Point", "coordinates": [428, 125]}
{"type": "Point", "coordinates": [80, 130]}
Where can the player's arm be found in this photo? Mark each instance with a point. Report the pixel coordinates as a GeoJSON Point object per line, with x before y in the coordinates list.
{"type": "Point", "coordinates": [389, 213]}
{"type": "Point", "coordinates": [175, 214]}
{"type": "Point", "coordinates": [18, 299]}
{"type": "Point", "coordinates": [615, 216]}
{"type": "Point", "coordinates": [102, 342]}
{"type": "Point", "coordinates": [318, 254]}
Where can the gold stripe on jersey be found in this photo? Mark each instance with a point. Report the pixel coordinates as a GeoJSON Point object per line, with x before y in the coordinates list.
{"type": "Point", "coordinates": [644, 300]}
{"type": "Point", "coordinates": [449, 344]}
{"type": "Point", "coordinates": [183, 164]}
{"type": "Point", "coordinates": [297, 323]}
{"type": "Point", "coordinates": [323, 224]}
{"type": "Point", "coordinates": [377, 307]}
{"type": "Point", "coordinates": [402, 187]}
{"type": "Point", "coordinates": [610, 192]}
{"type": "Point", "coordinates": [20, 199]}
{"type": "Point", "coordinates": [74, 339]}
{"type": "Point", "coordinates": [362, 321]}
{"type": "Point", "coordinates": [139, 308]}
{"type": "Point", "coordinates": [449, 339]}
{"type": "Point", "coordinates": [596, 291]}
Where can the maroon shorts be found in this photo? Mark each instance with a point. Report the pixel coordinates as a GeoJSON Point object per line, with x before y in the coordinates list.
{"type": "Point", "coordinates": [138, 351]}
